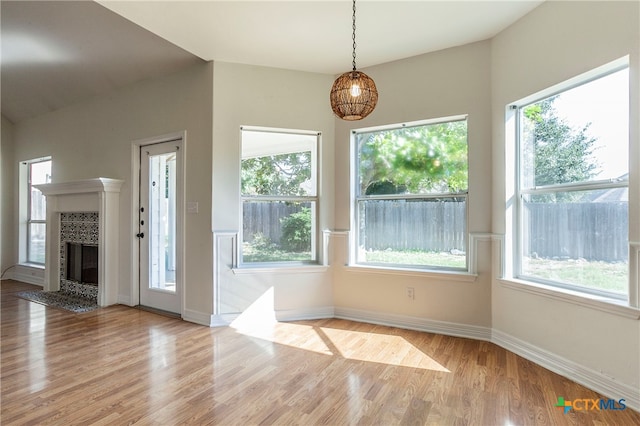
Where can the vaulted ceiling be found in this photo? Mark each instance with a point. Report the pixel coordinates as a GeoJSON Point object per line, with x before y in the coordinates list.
{"type": "Point", "coordinates": [56, 53]}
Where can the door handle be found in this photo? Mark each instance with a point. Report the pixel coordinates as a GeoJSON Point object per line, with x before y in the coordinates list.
{"type": "Point", "coordinates": [140, 235]}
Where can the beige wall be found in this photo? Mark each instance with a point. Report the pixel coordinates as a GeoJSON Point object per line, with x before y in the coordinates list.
{"type": "Point", "coordinates": [269, 97]}
{"type": "Point", "coordinates": [557, 41]}
{"type": "Point", "coordinates": [450, 82]}
{"type": "Point", "coordinates": [94, 139]}
{"type": "Point", "coordinates": [8, 248]}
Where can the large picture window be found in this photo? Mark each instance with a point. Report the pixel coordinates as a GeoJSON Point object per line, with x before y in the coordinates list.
{"type": "Point", "coordinates": [38, 172]}
{"type": "Point", "coordinates": [573, 187]}
{"type": "Point", "coordinates": [410, 191]}
{"type": "Point", "coordinates": [279, 196]}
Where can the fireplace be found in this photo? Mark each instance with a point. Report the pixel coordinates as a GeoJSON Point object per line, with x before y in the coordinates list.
{"type": "Point", "coordinates": [82, 263]}
{"type": "Point", "coordinates": [79, 253]}
{"type": "Point", "coordinates": [82, 238]}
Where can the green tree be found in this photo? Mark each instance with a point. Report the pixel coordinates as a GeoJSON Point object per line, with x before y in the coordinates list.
{"type": "Point", "coordinates": [420, 159]}
{"type": "Point", "coordinates": [282, 174]}
{"type": "Point", "coordinates": [553, 151]}
{"type": "Point", "coordinates": [296, 231]}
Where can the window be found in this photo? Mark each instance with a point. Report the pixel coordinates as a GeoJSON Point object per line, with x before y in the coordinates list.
{"type": "Point", "coordinates": [573, 159]}
{"type": "Point", "coordinates": [410, 192]}
{"type": "Point", "coordinates": [34, 210]}
{"type": "Point", "coordinates": [279, 196]}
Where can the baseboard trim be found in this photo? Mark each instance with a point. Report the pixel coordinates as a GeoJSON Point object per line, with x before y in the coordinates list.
{"type": "Point", "coordinates": [203, 318]}
{"type": "Point", "coordinates": [592, 379]}
{"type": "Point", "coordinates": [321, 312]}
{"type": "Point", "coordinates": [415, 323]}
{"type": "Point", "coordinates": [26, 277]}
{"type": "Point", "coordinates": [229, 317]}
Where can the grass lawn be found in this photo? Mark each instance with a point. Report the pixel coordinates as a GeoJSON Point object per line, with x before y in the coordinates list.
{"type": "Point", "coordinates": [609, 276]}
{"type": "Point", "coordinates": [251, 253]}
{"type": "Point", "coordinates": [419, 258]}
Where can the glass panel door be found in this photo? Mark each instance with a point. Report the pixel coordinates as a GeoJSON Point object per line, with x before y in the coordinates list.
{"type": "Point", "coordinates": [162, 221]}
{"type": "Point", "coordinates": [160, 169]}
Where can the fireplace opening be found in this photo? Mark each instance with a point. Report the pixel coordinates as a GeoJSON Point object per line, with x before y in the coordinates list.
{"type": "Point", "coordinates": [82, 263]}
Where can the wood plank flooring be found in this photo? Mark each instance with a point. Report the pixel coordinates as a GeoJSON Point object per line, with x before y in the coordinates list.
{"type": "Point", "coordinates": [122, 366]}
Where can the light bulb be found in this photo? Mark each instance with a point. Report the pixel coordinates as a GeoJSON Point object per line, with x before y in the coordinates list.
{"type": "Point", "coordinates": [355, 90]}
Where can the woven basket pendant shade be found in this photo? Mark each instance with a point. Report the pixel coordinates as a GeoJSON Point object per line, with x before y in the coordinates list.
{"type": "Point", "coordinates": [353, 96]}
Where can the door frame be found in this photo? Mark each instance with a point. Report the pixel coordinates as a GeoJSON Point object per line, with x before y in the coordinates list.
{"type": "Point", "coordinates": [136, 145]}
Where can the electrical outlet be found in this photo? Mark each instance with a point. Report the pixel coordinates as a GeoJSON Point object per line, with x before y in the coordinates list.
{"type": "Point", "coordinates": [411, 293]}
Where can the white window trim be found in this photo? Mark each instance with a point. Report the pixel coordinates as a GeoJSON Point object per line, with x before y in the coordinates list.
{"type": "Point", "coordinates": [506, 280]}
{"type": "Point", "coordinates": [552, 189]}
{"type": "Point", "coordinates": [427, 272]}
{"type": "Point", "coordinates": [457, 274]}
{"type": "Point", "coordinates": [611, 306]}
{"type": "Point", "coordinates": [241, 267]}
{"type": "Point", "coordinates": [279, 268]}
{"type": "Point", "coordinates": [24, 208]}
{"type": "Point", "coordinates": [629, 308]}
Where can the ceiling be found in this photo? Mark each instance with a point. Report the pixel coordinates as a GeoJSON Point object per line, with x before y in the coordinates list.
{"type": "Point", "coordinates": [56, 53]}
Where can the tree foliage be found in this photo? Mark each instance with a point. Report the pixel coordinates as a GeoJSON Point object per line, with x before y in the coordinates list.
{"type": "Point", "coordinates": [282, 174]}
{"type": "Point", "coordinates": [415, 160]}
{"type": "Point", "coordinates": [554, 151]}
{"type": "Point", "coordinates": [296, 231]}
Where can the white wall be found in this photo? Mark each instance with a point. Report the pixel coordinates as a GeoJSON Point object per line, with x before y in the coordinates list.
{"type": "Point", "coordinates": [8, 250]}
{"type": "Point", "coordinates": [94, 139]}
{"type": "Point", "coordinates": [554, 42]}
{"type": "Point", "coordinates": [269, 97]}
{"type": "Point", "coordinates": [450, 82]}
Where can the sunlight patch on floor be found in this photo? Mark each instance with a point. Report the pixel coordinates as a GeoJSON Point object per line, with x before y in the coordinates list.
{"type": "Point", "coordinates": [380, 348]}
{"type": "Point", "coordinates": [259, 321]}
{"type": "Point", "coordinates": [259, 317]}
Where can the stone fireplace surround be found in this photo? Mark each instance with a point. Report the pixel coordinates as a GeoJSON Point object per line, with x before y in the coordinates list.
{"type": "Point", "coordinates": [93, 200]}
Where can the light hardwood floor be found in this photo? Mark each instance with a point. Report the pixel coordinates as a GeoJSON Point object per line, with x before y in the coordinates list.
{"type": "Point", "coordinates": [119, 366]}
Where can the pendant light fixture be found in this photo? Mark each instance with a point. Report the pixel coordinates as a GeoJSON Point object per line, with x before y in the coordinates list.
{"type": "Point", "coordinates": [353, 94]}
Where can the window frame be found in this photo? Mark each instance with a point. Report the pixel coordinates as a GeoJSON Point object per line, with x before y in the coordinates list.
{"type": "Point", "coordinates": [520, 191]}
{"type": "Point", "coordinates": [26, 203]}
{"type": "Point", "coordinates": [313, 199]}
{"type": "Point", "coordinates": [357, 198]}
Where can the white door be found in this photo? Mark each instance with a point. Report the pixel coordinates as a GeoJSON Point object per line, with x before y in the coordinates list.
{"type": "Point", "coordinates": [159, 234]}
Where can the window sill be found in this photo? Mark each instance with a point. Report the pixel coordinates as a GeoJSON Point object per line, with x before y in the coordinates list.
{"type": "Point", "coordinates": [611, 306]}
{"type": "Point", "coordinates": [428, 273]}
{"type": "Point", "coordinates": [280, 269]}
{"type": "Point", "coordinates": [31, 265]}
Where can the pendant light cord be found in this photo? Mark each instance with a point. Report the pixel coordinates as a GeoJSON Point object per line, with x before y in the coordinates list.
{"type": "Point", "coordinates": [354, 34]}
{"type": "Point", "coordinates": [354, 94]}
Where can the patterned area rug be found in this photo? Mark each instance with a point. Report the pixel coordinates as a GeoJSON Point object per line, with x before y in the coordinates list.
{"type": "Point", "coordinates": [57, 299]}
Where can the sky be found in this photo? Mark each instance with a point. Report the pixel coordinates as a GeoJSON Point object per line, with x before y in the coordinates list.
{"type": "Point", "coordinates": [41, 172]}
{"type": "Point", "coordinates": [605, 104]}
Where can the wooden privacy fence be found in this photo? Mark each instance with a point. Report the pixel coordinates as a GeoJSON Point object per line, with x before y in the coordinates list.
{"type": "Point", "coordinates": [590, 231]}
{"type": "Point", "coordinates": [265, 218]}
{"type": "Point", "coordinates": [413, 225]}
{"type": "Point", "coordinates": [394, 225]}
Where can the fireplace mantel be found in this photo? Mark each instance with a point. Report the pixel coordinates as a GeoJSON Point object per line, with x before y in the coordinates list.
{"type": "Point", "coordinates": [101, 195]}
{"type": "Point", "coordinates": [81, 186]}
